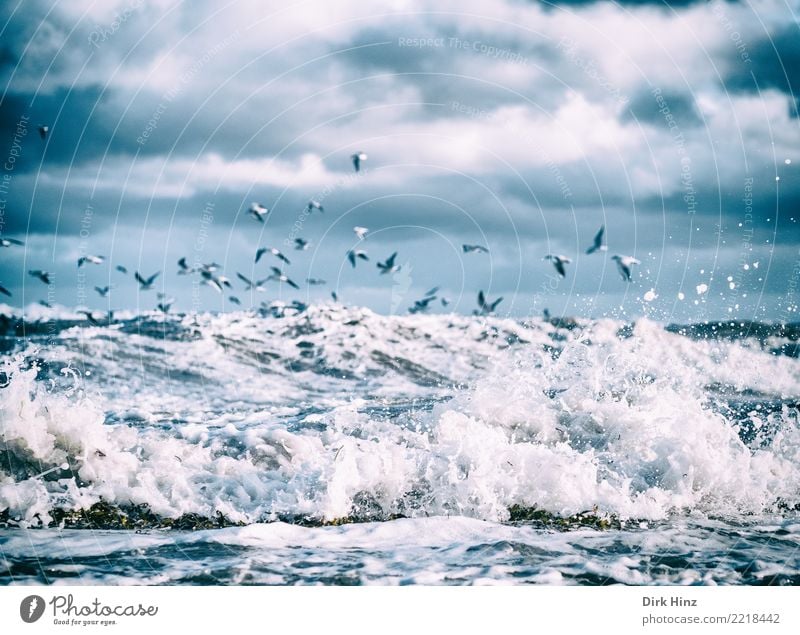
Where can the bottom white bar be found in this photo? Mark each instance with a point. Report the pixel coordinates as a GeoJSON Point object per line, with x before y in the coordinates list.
{"type": "Point", "coordinates": [411, 610]}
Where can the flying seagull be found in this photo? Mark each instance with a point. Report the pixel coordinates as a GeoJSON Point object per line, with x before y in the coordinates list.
{"type": "Point", "coordinates": [42, 275]}
{"type": "Point", "coordinates": [624, 264]}
{"type": "Point", "coordinates": [357, 158]}
{"type": "Point", "coordinates": [598, 245]}
{"type": "Point", "coordinates": [558, 263]}
{"type": "Point", "coordinates": [95, 260]}
{"type": "Point", "coordinates": [145, 284]}
{"type": "Point", "coordinates": [165, 304]}
{"type": "Point", "coordinates": [7, 242]}
{"type": "Point", "coordinates": [250, 284]}
{"type": "Point", "coordinates": [360, 231]}
{"type": "Point", "coordinates": [389, 266]}
{"type": "Point", "coordinates": [301, 244]}
{"type": "Point", "coordinates": [122, 269]}
{"type": "Point", "coordinates": [183, 268]}
{"type": "Point", "coordinates": [485, 306]}
{"type": "Point", "coordinates": [315, 281]}
{"type": "Point", "coordinates": [43, 130]}
{"type": "Point", "coordinates": [275, 252]}
{"type": "Point", "coordinates": [356, 253]}
{"type": "Point", "coordinates": [258, 211]}
{"type": "Point", "coordinates": [90, 317]}
{"type": "Point", "coordinates": [234, 300]}
{"type": "Point", "coordinates": [278, 275]}
{"type": "Point", "coordinates": [312, 205]}
{"type": "Point", "coordinates": [420, 306]}
{"type": "Point", "coordinates": [470, 248]}
{"type": "Point", "coordinates": [103, 291]}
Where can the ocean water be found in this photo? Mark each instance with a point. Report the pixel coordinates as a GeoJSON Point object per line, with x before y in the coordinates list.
{"type": "Point", "coordinates": [332, 445]}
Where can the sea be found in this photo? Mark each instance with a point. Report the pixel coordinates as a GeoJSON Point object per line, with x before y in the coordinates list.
{"type": "Point", "coordinates": [330, 445]}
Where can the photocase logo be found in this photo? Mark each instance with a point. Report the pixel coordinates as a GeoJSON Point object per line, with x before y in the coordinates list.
{"type": "Point", "coordinates": [31, 608]}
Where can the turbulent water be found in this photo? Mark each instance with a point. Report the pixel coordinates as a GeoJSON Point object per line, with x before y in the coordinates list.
{"type": "Point", "coordinates": [333, 445]}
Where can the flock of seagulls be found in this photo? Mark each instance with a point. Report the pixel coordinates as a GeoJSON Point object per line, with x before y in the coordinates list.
{"type": "Point", "coordinates": [210, 275]}
{"type": "Point", "coordinates": [624, 263]}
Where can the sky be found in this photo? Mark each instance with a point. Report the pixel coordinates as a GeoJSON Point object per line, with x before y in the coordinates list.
{"type": "Point", "coordinates": [518, 125]}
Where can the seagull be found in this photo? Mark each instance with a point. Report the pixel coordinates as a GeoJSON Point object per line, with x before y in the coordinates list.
{"type": "Point", "coordinates": [470, 248]}
{"type": "Point", "coordinates": [360, 231]}
{"type": "Point", "coordinates": [357, 158]}
{"type": "Point", "coordinates": [215, 282]}
{"type": "Point", "coordinates": [485, 306]}
{"type": "Point", "coordinates": [312, 205]}
{"type": "Point", "coordinates": [121, 269]}
{"type": "Point", "coordinates": [45, 303]}
{"type": "Point", "coordinates": [624, 264]}
{"type": "Point", "coordinates": [234, 300]}
{"type": "Point", "coordinates": [211, 267]}
{"type": "Point", "coordinates": [278, 275]}
{"type": "Point", "coordinates": [90, 317]}
{"type": "Point", "coordinates": [275, 252]}
{"type": "Point", "coordinates": [42, 275]}
{"type": "Point", "coordinates": [145, 284]}
{"type": "Point", "coordinates": [334, 296]}
{"type": "Point", "coordinates": [558, 263]}
{"type": "Point", "coordinates": [420, 306]}
{"type": "Point", "coordinates": [43, 130]}
{"type": "Point", "coordinates": [164, 305]}
{"type": "Point", "coordinates": [5, 291]}
{"type": "Point", "coordinates": [258, 211]}
{"type": "Point", "coordinates": [103, 291]}
{"type": "Point", "coordinates": [598, 245]}
{"type": "Point", "coordinates": [389, 266]}
{"type": "Point", "coordinates": [356, 253]}
{"type": "Point", "coordinates": [301, 244]}
{"type": "Point", "coordinates": [7, 242]}
{"type": "Point", "coordinates": [95, 260]}
{"type": "Point", "coordinates": [315, 281]}
{"type": "Point", "coordinates": [444, 301]}
{"type": "Point", "coordinates": [184, 268]}
{"type": "Point", "coordinates": [250, 284]}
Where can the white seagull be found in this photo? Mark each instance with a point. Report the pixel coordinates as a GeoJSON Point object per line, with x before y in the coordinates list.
{"type": "Point", "coordinates": [360, 232]}
{"type": "Point", "coordinates": [389, 266]}
{"type": "Point", "coordinates": [258, 211]}
{"type": "Point", "coordinates": [274, 251]}
{"type": "Point", "coordinates": [7, 242]}
{"type": "Point", "coordinates": [278, 275]}
{"type": "Point", "coordinates": [598, 245]}
{"type": "Point", "coordinates": [356, 253]}
{"type": "Point", "coordinates": [357, 158]}
{"type": "Point", "coordinates": [624, 264]}
{"type": "Point", "coordinates": [95, 260]}
{"type": "Point", "coordinates": [312, 205]}
{"type": "Point", "coordinates": [558, 263]}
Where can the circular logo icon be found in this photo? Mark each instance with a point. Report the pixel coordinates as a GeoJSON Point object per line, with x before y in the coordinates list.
{"type": "Point", "coordinates": [31, 608]}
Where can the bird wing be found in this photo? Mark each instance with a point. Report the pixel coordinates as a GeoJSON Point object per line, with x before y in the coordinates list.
{"type": "Point", "coordinates": [260, 252]}
{"type": "Point", "coordinates": [244, 279]}
{"type": "Point", "coordinates": [559, 265]}
{"type": "Point", "coordinates": [152, 278]}
{"type": "Point", "coordinates": [481, 300]}
{"type": "Point", "coordinates": [390, 260]}
{"type": "Point", "coordinates": [352, 258]}
{"type": "Point", "coordinates": [139, 278]}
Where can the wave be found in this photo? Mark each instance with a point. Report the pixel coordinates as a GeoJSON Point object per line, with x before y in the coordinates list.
{"type": "Point", "coordinates": [326, 413]}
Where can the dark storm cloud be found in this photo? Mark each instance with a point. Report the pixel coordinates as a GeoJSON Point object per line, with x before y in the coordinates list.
{"type": "Point", "coordinates": [771, 62]}
{"type": "Point", "coordinates": [643, 107]}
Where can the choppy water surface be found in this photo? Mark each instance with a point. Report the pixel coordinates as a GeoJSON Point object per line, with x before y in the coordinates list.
{"type": "Point", "coordinates": [335, 446]}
